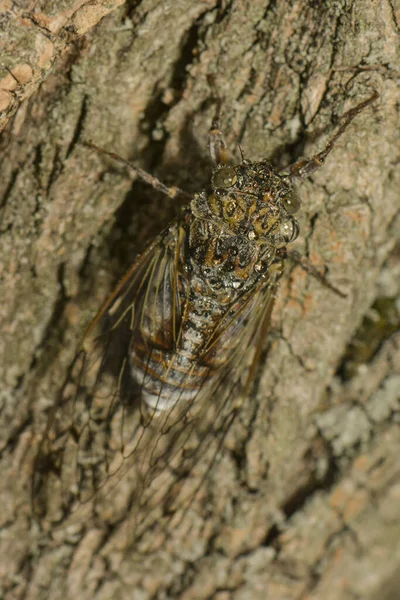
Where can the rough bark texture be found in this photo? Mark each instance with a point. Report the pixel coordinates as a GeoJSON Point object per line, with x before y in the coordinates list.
{"type": "Point", "coordinates": [304, 500]}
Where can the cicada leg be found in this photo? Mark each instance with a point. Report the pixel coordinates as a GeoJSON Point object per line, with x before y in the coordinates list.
{"type": "Point", "coordinates": [171, 192]}
{"type": "Point", "coordinates": [305, 166]}
{"type": "Point", "coordinates": [309, 268]}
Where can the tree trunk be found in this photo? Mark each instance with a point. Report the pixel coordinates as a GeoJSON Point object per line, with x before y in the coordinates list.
{"type": "Point", "coordinates": [303, 500]}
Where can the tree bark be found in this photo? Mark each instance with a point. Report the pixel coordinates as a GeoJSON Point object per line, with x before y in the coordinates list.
{"type": "Point", "coordinates": [303, 501]}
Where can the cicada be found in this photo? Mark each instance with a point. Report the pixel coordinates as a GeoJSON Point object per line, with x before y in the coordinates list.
{"type": "Point", "coordinates": [167, 362]}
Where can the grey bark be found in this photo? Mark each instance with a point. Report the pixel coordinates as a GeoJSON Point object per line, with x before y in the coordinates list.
{"type": "Point", "coordinates": [310, 508]}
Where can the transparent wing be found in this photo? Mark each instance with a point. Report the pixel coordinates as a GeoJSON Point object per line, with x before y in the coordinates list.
{"type": "Point", "coordinates": [197, 446]}
{"type": "Point", "coordinates": [98, 420]}
{"type": "Point", "coordinates": [102, 441]}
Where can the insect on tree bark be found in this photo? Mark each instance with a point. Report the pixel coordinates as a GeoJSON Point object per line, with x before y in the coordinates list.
{"type": "Point", "coordinates": [161, 367]}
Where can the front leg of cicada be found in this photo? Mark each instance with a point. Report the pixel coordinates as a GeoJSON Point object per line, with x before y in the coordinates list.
{"type": "Point", "coordinates": [306, 166]}
{"type": "Point", "coordinates": [171, 192]}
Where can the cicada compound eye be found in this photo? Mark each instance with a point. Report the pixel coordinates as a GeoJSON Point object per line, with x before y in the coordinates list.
{"type": "Point", "coordinates": [291, 202]}
{"type": "Point", "coordinates": [224, 178]}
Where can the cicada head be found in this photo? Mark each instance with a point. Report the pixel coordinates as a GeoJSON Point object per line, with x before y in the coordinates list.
{"type": "Point", "coordinates": [253, 200]}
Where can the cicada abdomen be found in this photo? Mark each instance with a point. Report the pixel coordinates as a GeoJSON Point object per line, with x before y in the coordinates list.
{"type": "Point", "coordinates": [167, 360]}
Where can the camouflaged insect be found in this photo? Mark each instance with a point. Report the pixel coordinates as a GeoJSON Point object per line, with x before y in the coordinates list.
{"type": "Point", "coordinates": [161, 364]}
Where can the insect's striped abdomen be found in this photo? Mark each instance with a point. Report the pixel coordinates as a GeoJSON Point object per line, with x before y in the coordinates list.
{"type": "Point", "coordinates": [170, 369]}
{"type": "Point", "coordinates": [175, 355]}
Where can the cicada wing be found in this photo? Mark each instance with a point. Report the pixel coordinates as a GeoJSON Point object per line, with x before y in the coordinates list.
{"type": "Point", "coordinates": [199, 435]}
{"type": "Point", "coordinates": [98, 423]}
{"type": "Point", "coordinates": [235, 344]}
{"type": "Point", "coordinates": [100, 439]}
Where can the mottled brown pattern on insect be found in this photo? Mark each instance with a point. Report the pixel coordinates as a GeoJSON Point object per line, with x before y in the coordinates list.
{"type": "Point", "coordinates": [216, 260]}
{"type": "Point", "coordinates": [168, 339]}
